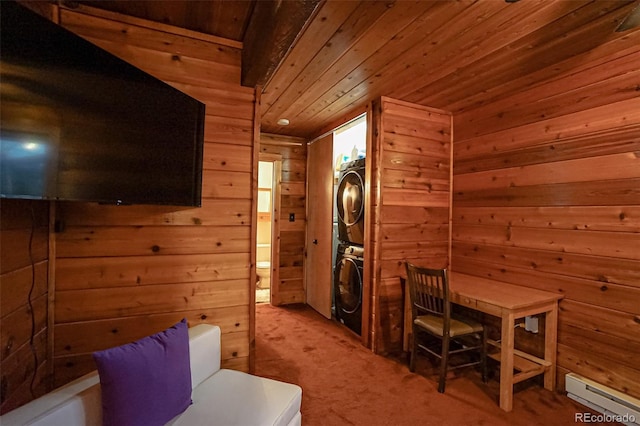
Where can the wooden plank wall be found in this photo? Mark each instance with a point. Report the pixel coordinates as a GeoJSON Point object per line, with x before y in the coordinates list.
{"type": "Point", "coordinates": [410, 206]}
{"type": "Point", "coordinates": [290, 286]}
{"type": "Point", "coordinates": [123, 272]}
{"type": "Point", "coordinates": [547, 195]}
{"type": "Point", "coordinates": [24, 266]}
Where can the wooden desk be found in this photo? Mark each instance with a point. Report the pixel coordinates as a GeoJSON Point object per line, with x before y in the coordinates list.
{"type": "Point", "coordinates": [508, 302]}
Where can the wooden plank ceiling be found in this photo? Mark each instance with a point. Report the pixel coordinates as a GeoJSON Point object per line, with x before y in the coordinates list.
{"type": "Point", "coordinates": [453, 55]}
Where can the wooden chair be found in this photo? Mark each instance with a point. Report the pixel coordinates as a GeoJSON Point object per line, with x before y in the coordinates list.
{"type": "Point", "coordinates": [431, 316]}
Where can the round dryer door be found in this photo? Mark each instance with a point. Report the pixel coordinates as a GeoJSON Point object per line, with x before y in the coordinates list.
{"type": "Point", "coordinates": [350, 198]}
{"type": "Point", "coordinates": [349, 286]}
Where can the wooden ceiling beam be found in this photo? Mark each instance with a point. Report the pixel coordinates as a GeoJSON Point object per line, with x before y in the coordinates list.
{"type": "Point", "coordinates": [272, 30]}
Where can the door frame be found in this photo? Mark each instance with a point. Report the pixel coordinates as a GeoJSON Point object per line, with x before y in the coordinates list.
{"type": "Point", "coordinates": [276, 181]}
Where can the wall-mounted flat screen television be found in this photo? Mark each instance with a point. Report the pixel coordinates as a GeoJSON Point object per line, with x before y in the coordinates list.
{"type": "Point", "coordinates": [80, 124]}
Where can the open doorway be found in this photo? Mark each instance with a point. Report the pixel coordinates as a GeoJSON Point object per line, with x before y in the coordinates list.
{"type": "Point", "coordinates": [349, 152]}
{"type": "Point", "coordinates": [333, 158]}
{"type": "Point", "coordinates": [267, 228]}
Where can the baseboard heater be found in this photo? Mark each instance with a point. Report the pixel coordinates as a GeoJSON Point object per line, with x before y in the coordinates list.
{"type": "Point", "coordinates": [612, 404]}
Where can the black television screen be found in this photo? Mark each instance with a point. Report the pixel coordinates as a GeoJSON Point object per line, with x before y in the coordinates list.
{"type": "Point", "coordinates": [80, 124]}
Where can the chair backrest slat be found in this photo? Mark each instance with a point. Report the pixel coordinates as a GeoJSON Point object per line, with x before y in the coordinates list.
{"type": "Point", "coordinates": [429, 290]}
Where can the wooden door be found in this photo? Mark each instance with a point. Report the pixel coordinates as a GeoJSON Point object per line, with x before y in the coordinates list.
{"type": "Point", "coordinates": [318, 262]}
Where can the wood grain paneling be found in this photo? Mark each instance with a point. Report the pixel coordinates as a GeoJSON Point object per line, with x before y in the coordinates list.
{"type": "Point", "coordinates": [546, 195]}
{"type": "Point", "coordinates": [124, 273]}
{"type": "Point", "coordinates": [18, 373]}
{"type": "Point", "coordinates": [104, 303]}
{"type": "Point", "coordinates": [455, 56]}
{"type": "Point", "coordinates": [188, 61]}
{"type": "Point", "coordinates": [220, 17]}
{"type": "Point", "coordinates": [89, 336]}
{"type": "Point", "coordinates": [411, 178]}
{"type": "Point", "coordinates": [452, 55]}
{"type": "Point", "coordinates": [216, 212]}
{"type": "Point", "coordinates": [24, 287]}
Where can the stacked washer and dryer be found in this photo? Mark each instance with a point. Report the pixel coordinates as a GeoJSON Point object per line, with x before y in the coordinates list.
{"type": "Point", "coordinates": [347, 278]}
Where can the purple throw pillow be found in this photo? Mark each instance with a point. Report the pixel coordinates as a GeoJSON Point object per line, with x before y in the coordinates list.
{"type": "Point", "coordinates": [147, 382]}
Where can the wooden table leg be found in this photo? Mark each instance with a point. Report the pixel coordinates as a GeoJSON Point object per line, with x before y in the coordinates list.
{"type": "Point", "coordinates": [506, 361]}
{"type": "Point", "coordinates": [551, 346]}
